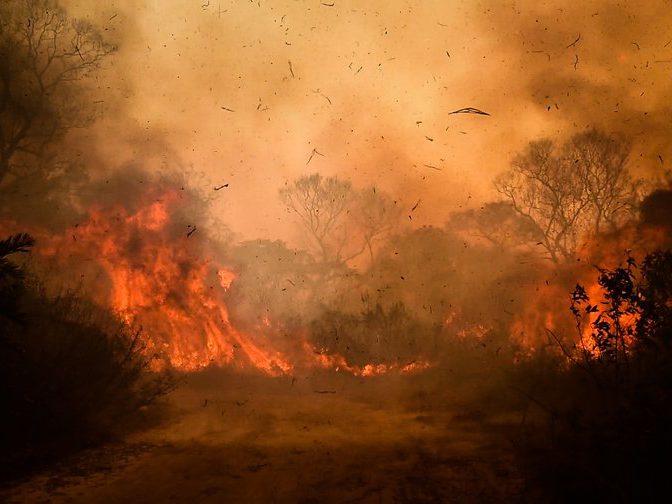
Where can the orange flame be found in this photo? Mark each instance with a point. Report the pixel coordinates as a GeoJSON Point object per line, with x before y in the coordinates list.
{"type": "Point", "coordinates": [160, 279]}
{"type": "Point", "coordinates": [547, 307]}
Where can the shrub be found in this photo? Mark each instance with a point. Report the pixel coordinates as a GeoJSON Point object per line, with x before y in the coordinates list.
{"type": "Point", "coordinates": [608, 406]}
{"type": "Point", "coordinates": [72, 374]}
{"type": "Point", "coordinates": [375, 335]}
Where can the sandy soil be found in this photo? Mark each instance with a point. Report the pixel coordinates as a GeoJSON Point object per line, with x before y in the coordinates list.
{"type": "Point", "coordinates": [312, 440]}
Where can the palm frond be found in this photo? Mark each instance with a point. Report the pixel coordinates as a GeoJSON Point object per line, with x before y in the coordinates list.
{"type": "Point", "coordinates": [20, 242]}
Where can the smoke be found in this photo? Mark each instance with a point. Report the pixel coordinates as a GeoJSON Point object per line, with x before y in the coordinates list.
{"type": "Point", "coordinates": [594, 64]}
{"type": "Point", "coordinates": [238, 95]}
{"type": "Point", "coordinates": [242, 92]}
{"type": "Point", "coordinates": [657, 208]}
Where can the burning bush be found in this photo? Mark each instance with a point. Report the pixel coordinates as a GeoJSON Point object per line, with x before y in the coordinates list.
{"type": "Point", "coordinates": [72, 374]}
{"type": "Point", "coordinates": [609, 405]}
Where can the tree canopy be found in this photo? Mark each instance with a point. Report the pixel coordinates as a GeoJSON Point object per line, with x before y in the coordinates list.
{"type": "Point", "coordinates": [46, 57]}
{"type": "Point", "coordinates": [567, 192]}
{"type": "Point", "coordinates": [341, 222]}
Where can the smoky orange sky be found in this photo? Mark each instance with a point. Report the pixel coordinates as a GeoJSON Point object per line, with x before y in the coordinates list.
{"type": "Point", "coordinates": [370, 85]}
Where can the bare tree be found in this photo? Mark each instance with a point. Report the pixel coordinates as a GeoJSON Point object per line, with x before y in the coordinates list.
{"type": "Point", "coordinates": [565, 196]}
{"type": "Point", "coordinates": [341, 222]}
{"type": "Point", "coordinates": [46, 58]}
{"type": "Point", "coordinates": [321, 204]}
{"type": "Point", "coordinates": [601, 165]}
{"type": "Point", "coordinates": [376, 215]}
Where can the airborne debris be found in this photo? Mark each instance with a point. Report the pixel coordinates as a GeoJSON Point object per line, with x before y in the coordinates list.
{"type": "Point", "coordinates": [328, 4]}
{"type": "Point", "coordinates": [432, 167]}
{"type": "Point", "coordinates": [429, 138]}
{"type": "Point", "coordinates": [291, 70]}
{"type": "Point", "coordinates": [191, 231]}
{"type": "Point", "coordinates": [469, 110]}
{"type": "Point", "coordinates": [576, 60]}
{"type": "Point", "coordinates": [415, 206]}
{"type": "Point", "coordinates": [228, 109]}
{"type": "Point", "coordinates": [542, 52]}
{"type": "Point", "coordinates": [315, 151]}
{"type": "Point", "coordinates": [317, 91]}
{"type": "Point", "coordinates": [575, 42]}
{"type": "Point", "coordinates": [217, 188]}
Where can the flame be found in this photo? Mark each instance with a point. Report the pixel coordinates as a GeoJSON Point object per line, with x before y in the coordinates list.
{"type": "Point", "coordinates": [626, 321]}
{"type": "Point", "coordinates": [160, 282]}
{"type": "Point", "coordinates": [546, 313]}
{"type": "Point", "coordinates": [337, 362]}
{"type": "Point", "coordinates": [159, 277]}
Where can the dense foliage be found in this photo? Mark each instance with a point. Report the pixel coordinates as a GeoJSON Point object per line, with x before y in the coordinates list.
{"type": "Point", "coordinates": [71, 373]}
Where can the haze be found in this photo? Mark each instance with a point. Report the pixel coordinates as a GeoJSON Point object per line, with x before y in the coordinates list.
{"type": "Point", "coordinates": [371, 90]}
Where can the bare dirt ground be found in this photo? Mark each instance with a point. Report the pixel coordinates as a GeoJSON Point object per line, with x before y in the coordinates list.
{"type": "Point", "coordinates": [310, 440]}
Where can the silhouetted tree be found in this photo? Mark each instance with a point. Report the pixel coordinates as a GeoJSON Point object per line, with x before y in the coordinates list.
{"type": "Point", "coordinates": [46, 59]}
{"type": "Point", "coordinates": [583, 187]}
{"type": "Point", "coordinates": [321, 204]}
{"type": "Point", "coordinates": [376, 215]}
{"type": "Point", "coordinates": [341, 222]}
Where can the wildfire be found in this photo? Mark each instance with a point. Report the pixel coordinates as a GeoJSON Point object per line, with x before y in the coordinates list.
{"type": "Point", "coordinates": [339, 363]}
{"type": "Point", "coordinates": [546, 318]}
{"type": "Point", "coordinates": [160, 281]}
{"type": "Point", "coordinates": [159, 277]}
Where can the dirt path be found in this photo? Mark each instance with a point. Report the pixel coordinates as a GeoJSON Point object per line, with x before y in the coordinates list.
{"type": "Point", "coordinates": [274, 442]}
